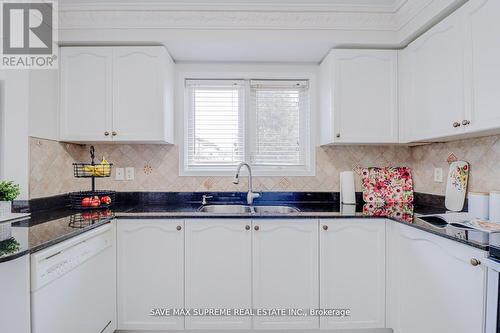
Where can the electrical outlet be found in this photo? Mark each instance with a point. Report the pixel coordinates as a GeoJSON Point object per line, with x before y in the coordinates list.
{"type": "Point", "coordinates": [438, 175]}
{"type": "Point", "coordinates": [129, 173]}
{"type": "Point", "coordinates": [119, 174]}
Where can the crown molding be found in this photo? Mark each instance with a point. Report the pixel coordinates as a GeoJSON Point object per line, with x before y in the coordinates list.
{"type": "Point", "coordinates": [226, 20]}
{"type": "Point", "coordinates": [397, 22]}
{"type": "Point", "coordinates": [263, 6]}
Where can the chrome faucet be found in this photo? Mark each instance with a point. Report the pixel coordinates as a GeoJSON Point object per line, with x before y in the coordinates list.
{"type": "Point", "coordinates": [251, 195]}
{"type": "Point", "coordinates": [204, 198]}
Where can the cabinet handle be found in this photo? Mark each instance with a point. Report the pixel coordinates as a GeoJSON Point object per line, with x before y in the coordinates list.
{"type": "Point", "coordinates": [114, 133]}
{"type": "Point", "coordinates": [106, 133]}
{"type": "Point", "coordinates": [256, 228]}
{"type": "Point", "coordinates": [338, 135]}
{"type": "Point", "coordinates": [456, 124]}
{"type": "Point", "coordinates": [179, 228]}
{"type": "Point", "coordinates": [247, 227]}
{"type": "Point", "coordinates": [465, 122]}
{"type": "Point", "coordinates": [475, 262]}
{"type": "Point", "coordinates": [325, 227]}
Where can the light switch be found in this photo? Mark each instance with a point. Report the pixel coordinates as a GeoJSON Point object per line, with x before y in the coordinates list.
{"type": "Point", "coordinates": [438, 175]}
{"type": "Point", "coordinates": [129, 173]}
{"type": "Point", "coordinates": [119, 174]}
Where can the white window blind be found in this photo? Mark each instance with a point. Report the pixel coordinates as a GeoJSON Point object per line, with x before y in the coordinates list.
{"type": "Point", "coordinates": [215, 129]}
{"type": "Point", "coordinates": [280, 122]}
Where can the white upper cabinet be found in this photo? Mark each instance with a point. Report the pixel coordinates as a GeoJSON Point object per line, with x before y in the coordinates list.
{"type": "Point", "coordinates": [482, 76]}
{"type": "Point", "coordinates": [285, 271]}
{"type": "Point", "coordinates": [218, 271]}
{"type": "Point", "coordinates": [359, 97]}
{"type": "Point", "coordinates": [450, 77]}
{"type": "Point", "coordinates": [353, 277]}
{"type": "Point", "coordinates": [433, 283]}
{"type": "Point", "coordinates": [86, 93]}
{"type": "Point", "coordinates": [432, 76]}
{"type": "Point", "coordinates": [120, 94]}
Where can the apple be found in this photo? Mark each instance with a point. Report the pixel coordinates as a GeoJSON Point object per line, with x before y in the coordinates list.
{"type": "Point", "coordinates": [86, 202]}
{"type": "Point", "coordinates": [95, 202]}
{"type": "Point", "coordinates": [106, 200]}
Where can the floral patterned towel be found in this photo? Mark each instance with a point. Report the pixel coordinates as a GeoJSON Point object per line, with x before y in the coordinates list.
{"type": "Point", "coordinates": [400, 210]}
{"type": "Point", "coordinates": [387, 185]}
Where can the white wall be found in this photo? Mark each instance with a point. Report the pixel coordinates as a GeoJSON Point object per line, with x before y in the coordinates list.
{"type": "Point", "coordinates": [14, 162]}
{"type": "Point", "coordinates": [44, 104]}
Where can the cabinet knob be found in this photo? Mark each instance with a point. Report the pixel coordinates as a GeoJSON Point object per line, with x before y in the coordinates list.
{"type": "Point", "coordinates": [106, 133]}
{"type": "Point", "coordinates": [179, 228]}
{"type": "Point", "coordinates": [456, 124]}
{"type": "Point", "coordinates": [325, 227]}
{"type": "Point", "coordinates": [247, 227]}
{"type": "Point", "coordinates": [465, 122]}
{"type": "Point", "coordinates": [256, 228]}
{"type": "Point", "coordinates": [114, 133]}
{"type": "Point", "coordinates": [337, 135]}
{"type": "Point", "coordinates": [475, 262]}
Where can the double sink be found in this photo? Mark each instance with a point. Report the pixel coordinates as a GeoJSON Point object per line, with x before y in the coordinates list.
{"type": "Point", "coordinates": [244, 209]}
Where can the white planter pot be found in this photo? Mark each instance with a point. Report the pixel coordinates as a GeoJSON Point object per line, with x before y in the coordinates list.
{"type": "Point", "coordinates": [5, 208]}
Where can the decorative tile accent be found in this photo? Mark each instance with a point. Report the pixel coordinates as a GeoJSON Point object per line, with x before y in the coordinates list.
{"type": "Point", "coordinates": [451, 158]}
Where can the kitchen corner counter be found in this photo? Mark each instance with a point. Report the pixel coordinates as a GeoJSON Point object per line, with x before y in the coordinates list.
{"type": "Point", "coordinates": [43, 229]}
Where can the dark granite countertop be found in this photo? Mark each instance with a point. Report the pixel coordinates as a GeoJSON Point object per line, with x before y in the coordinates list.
{"type": "Point", "coordinates": [51, 226]}
{"type": "Point", "coordinates": [406, 214]}
{"type": "Point", "coordinates": [44, 229]}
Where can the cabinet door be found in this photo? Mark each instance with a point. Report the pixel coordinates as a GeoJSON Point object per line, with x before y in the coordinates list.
{"type": "Point", "coordinates": [15, 290]}
{"type": "Point", "coordinates": [352, 266]}
{"type": "Point", "coordinates": [432, 286]}
{"type": "Point", "coordinates": [482, 64]}
{"type": "Point", "coordinates": [218, 271]}
{"type": "Point", "coordinates": [150, 260]}
{"type": "Point", "coordinates": [365, 89]}
{"type": "Point", "coordinates": [434, 93]}
{"type": "Point", "coordinates": [285, 271]}
{"type": "Point", "coordinates": [139, 93]}
{"type": "Point", "coordinates": [86, 93]}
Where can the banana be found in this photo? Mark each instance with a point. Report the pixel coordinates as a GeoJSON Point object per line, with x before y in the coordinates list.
{"type": "Point", "coordinates": [103, 169]}
{"type": "Point", "coordinates": [89, 169]}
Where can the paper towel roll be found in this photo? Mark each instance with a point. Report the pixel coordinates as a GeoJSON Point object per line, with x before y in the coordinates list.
{"type": "Point", "coordinates": [347, 188]}
{"type": "Point", "coordinates": [495, 206]}
{"type": "Point", "coordinates": [479, 205]}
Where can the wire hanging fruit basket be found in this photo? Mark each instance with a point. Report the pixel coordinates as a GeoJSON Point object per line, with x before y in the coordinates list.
{"type": "Point", "coordinates": [93, 199]}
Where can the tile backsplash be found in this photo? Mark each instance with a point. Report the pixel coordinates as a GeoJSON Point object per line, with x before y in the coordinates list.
{"type": "Point", "coordinates": [157, 167]}
{"type": "Point", "coordinates": [483, 154]}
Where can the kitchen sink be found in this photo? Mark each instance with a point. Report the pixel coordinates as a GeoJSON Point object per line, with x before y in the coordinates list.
{"type": "Point", "coordinates": [225, 209]}
{"type": "Point", "coordinates": [242, 209]}
{"type": "Point", "coordinates": [275, 209]}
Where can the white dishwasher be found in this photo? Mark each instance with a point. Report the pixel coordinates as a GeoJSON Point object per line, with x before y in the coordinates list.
{"type": "Point", "coordinates": [73, 285]}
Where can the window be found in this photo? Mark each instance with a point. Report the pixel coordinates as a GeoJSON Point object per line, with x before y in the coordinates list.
{"type": "Point", "coordinates": [215, 123]}
{"type": "Point", "coordinates": [262, 122]}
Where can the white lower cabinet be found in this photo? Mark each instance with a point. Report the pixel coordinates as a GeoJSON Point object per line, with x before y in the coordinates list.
{"type": "Point", "coordinates": [432, 285]}
{"type": "Point", "coordinates": [150, 270]}
{"type": "Point", "coordinates": [218, 271]}
{"type": "Point", "coordinates": [389, 275]}
{"type": "Point", "coordinates": [352, 272]}
{"type": "Point", "coordinates": [285, 271]}
{"type": "Point", "coordinates": [15, 300]}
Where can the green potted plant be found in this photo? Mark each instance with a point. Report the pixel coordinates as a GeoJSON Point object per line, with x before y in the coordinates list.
{"type": "Point", "coordinates": [9, 191]}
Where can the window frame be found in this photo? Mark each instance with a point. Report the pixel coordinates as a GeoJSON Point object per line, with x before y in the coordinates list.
{"type": "Point", "coordinates": [183, 96]}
